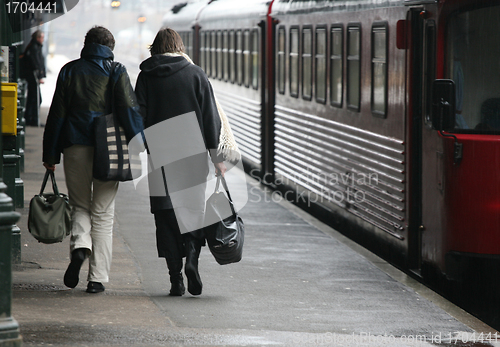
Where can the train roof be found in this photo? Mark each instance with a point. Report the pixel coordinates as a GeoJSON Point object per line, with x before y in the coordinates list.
{"type": "Point", "coordinates": [309, 6]}
{"type": "Point", "coordinates": [234, 10]}
{"type": "Point", "coordinates": [182, 16]}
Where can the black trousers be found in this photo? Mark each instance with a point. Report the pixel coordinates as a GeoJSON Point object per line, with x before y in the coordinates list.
{"type": "Point", "coordinates": [33, 101]}
{"type": "Point", "coordinates": [169, 240]}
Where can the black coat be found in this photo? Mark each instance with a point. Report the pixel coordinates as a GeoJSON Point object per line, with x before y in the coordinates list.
{"type": "Point", "coordinates": [33, 61]}
{"type": "Point", "coordinates": [82, 94]}
{"type": "Point", "coordinates": [171, 86]}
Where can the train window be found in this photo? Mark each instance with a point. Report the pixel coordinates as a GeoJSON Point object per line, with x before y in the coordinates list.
{"type": "Point", "coordinates": [320, 73]}
{"type": "Point", "coordinates": [208, 54]}
{"type": "Point", "coordinates": [191, 40]}
{"type": "Point", "coordinates": [379, 70]}
{"type": "Point", "coordinates": [246, 57]}
{"type": "Point", "coordinates": [353, 66]}
{"type": "Point", "coordinates": [184, 39]}
{"type": "Point", "coordinates": [188, 43]}
{"type": "Point", "coordinates": [336, 65]}
{"type": "Point", "coordinates": [225, 55]}
{"type": "Point", "coordinates": [281, 59]}
{"type": "Point", "coordinates": [220, 64]}
{"type": "Point", "coordinates": [307, 64]}
{"type": "Point", "coordinates": [294, 62]}
{"type": "Point", "coordinates": [213, 50]}
{"type": "Point", "coordinates": [202, 50]}
{"type": "Point", "coordinates": [239, 57]}
{"type": "Point", "coordinates": [232, 58]}
{"type": "Point", "coordinates": [255, 59]}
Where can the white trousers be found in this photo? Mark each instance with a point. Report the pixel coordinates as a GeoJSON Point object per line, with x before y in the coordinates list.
{"type": "Point", "coordinates": [93, 203]}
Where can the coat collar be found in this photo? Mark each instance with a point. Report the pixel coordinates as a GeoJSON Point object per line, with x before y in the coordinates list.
{"type": "Point", "coordinates": [96, 51]}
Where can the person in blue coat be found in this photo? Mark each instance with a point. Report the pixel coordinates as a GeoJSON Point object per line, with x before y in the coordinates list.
{"type": "Point", "coordinates": [83, 92]}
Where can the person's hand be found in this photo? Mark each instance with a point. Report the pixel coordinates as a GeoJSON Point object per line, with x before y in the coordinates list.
{"type": "Point", "coordinates": [50, 167]}
{"type": "Point", "coordinates": [42, 81]}
{"type": "Point", "coordinates": [220, 168]}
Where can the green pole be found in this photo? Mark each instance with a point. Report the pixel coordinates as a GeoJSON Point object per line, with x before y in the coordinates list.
{"type": "Point", "coordinates": [9, 329]}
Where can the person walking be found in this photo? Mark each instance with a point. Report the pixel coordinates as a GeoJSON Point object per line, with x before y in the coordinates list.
{"type": "Point", "coordinates": [33, 70]}
{"type": "Point", "coordinates": [169, 85]}
{"type": "Point", "coordinates": [83, 92]}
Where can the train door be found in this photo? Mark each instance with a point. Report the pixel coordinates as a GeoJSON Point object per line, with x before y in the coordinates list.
{"type": "Point", "coordinates": [426, 154]}
{"type": "Point", "coordinates": [267, 62]}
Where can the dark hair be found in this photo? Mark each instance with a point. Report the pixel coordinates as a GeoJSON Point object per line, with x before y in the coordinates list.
{"type": "Point", "coordinates": [100, 35]}
{"type": "Point", "coordinates": [36, 34]}
{"type": "Point", "coordinates": [166, 41]}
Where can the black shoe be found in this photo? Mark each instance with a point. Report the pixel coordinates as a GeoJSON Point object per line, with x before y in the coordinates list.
{"type": "Point", "coordinates": [95, 287]}
{"type": "Point", "coordinates": [177, 282]}
{"type": "Point", "coordinates": [193, 248]}
{"type": "Point", "coordinates": [71, 276]}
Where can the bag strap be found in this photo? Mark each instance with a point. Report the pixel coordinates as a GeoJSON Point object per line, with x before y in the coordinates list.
{"type": "Point", "coordinates": [54, 184]}
{"type": "Point", "coordinates": [221, 179]}
{"type": "Point", "coordinates": [112, 86]}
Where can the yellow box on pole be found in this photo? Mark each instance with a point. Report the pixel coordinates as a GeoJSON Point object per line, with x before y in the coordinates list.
{"type": "Point", "coordinates": [9, 108]}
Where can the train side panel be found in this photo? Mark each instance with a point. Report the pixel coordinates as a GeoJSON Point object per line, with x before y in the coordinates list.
{"type": "Point", "coordinates": [232, 53]}
{"type": "Point", "coordinates": [340, 137]}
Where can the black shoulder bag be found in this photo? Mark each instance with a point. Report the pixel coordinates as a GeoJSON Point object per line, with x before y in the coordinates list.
{"type": "Point", "coordinates": [225, 238]}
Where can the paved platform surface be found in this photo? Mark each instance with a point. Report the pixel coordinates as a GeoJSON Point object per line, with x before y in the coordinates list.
{"type": "Point", "coordinates": [300, 283]}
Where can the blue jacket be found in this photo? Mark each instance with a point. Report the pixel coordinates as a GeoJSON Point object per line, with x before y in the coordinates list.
{"type": "Point", "coordinates": [83, 92]}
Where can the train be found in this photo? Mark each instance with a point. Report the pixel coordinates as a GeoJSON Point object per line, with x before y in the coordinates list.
{"type": "Point", "coordinates": [380, 117]}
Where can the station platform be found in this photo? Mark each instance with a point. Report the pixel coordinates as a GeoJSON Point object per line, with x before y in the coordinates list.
{"type": "Point", "coordinates": [300, 283]}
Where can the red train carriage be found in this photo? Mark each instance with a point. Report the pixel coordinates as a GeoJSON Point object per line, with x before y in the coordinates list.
{"type": "Point", "coordinates": [382, 117]}
{"type": "Point", "coordinates": [460, 173]}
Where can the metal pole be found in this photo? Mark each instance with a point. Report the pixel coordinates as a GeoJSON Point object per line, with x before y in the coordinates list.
{"type": "Point", "coordinates": [9, 329]}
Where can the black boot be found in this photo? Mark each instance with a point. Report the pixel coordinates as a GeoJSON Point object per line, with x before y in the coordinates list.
{"type": "Point", "coordinates": [177, 282]}
{"type": "Point", "coordinates": [193, 248]}
{"type": "Point", "coordinates": [71, 277]}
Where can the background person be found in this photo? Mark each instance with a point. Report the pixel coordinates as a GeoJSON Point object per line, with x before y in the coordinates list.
{"type": "Point", "coordinates": [33, 70]}
{"type": "Point", "coordinates": [83, 92]}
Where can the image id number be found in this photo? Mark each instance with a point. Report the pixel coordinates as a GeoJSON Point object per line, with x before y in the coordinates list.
{"type": "Point", "coordinates": [23, 7]}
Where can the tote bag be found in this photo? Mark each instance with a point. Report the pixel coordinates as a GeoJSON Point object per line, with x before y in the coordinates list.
{"type": "Point", "coordinates": [111, 156]}
{"type": "Point", "coordinates": [112, 161]}
{"type": "Point", "coordinates": [49, 218]}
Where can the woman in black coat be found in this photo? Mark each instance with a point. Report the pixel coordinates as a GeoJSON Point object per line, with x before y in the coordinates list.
{"type": "Point", "coordinates": [169, 86]}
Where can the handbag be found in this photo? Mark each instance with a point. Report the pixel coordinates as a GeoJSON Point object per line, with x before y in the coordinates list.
{"type": "Point", "coordinates": [49, 218]}
{"type": "Point", "coordinates": [225, 238]}
{"type": "Point", "coordinates": [111, 155]}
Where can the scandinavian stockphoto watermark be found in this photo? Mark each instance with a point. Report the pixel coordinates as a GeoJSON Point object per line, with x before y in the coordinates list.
{"type": "Point", "coordinates": [320, 187]}
{"type": "Point", "coordinates": [178, 165]}
{"type": "Point", "coordinates": [173, 155]}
